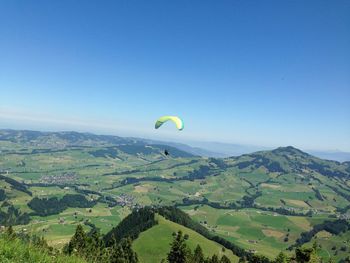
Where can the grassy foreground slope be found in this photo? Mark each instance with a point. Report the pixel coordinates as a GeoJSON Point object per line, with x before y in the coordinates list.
{"type": "Point", "coordinates": [153, 244]}
{"type": "Point", "coordinates": [15, 251]}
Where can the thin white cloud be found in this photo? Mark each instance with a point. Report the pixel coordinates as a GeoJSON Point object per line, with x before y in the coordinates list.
{"type": "Point", "coordinates": [21, 119]}
{"type": "Point", "coordinates": [35, 119]}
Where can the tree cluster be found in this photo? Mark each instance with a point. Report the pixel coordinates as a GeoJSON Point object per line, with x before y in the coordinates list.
{"type": "Point", "coordinates": [16, 185]}
{"type": "Point", "coordinates": [181, 253]}
{"type": "Point", "coordinates": [334, 227]}
{"type": "Point", "coordinates": [92, 248]}
{"type": "Point", "coordinates": [131, 226]}
{"type": "Point", "coordinates": [2, 195]}
{"type": "Point", "coordinates": [301, 255]}
{"type": "Point", "coordinates": [53, 205]}
{"type": "Point", "coordinates": [10, 216]}
{"type": "Point", "coordinates": [205, 201]}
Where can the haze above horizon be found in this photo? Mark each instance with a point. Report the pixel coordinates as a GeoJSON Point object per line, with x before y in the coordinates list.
{"type": "Point", "coordinates": [262, 73]}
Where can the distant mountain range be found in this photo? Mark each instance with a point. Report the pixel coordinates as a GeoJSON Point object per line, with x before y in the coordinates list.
{"type": "Point", "coordinates": [221, 150]}
{"type": "Point", "coordinates": [205, 149]}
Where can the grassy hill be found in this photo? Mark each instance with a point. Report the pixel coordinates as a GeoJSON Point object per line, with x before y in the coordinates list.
{"type": "Point", "coordinates": [153, 244]}
{"type": "Point", "coordinates": [289, 160]}
{"type": "Point", "coordinates": [16, 251]}
{"type": "Point", "coordinates": [55, 141]}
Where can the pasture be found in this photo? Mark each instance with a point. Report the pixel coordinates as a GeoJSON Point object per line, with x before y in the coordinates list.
{"type": "Point", "coordinates": [153, 244]}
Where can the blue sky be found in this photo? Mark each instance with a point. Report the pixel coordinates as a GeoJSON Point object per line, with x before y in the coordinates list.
{"type": "Point", "coordinates": [267, 73]}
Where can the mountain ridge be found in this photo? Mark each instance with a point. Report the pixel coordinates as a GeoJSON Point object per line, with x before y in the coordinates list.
{"type": "Point", "coordinates": [73, 138]}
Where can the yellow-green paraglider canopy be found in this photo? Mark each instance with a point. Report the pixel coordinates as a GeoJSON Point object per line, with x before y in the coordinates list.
{"type": "Point", "coordinates": [178, 122]}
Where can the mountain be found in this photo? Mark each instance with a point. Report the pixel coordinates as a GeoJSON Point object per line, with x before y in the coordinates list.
{"type": "Point", "coordinates": [152, 229]}
{"type": "Point", "coordinates": [60, 139]}
{"type": "Point", "coordinates": [153, 244]}
{"type": "Point", "coordinates": [63, 140]}
{"type": "Point", "coordinates": [260, 202]}
{"type": "Point", "coordinates": [218, 149]}
{"type": "Point", "coordinates": [222, 150]}
{"type": "Point", "coordinates": [205, 149]}
{"type": "Point", "coordinates": [291, 160]}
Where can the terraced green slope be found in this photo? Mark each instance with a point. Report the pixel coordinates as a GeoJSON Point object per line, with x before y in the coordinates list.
{"type": "Point", "coordinates": [153, 244]}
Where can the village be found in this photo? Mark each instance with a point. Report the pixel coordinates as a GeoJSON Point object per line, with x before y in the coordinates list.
{"type": "Point", "coordinates": [63, 178]}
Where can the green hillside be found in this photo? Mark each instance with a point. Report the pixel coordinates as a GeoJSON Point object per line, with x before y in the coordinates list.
{"type": "Point", "coordinates": [16, 251]}
{"type": "Point", "coordinates": [153, 244]}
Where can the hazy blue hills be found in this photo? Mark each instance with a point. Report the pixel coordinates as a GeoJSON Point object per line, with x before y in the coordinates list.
{"type": "Point", "coordinates": [197, 148]}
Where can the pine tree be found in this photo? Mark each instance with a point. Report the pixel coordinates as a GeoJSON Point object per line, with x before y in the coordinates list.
{"type": "Point", "coordinates": [10, 233]}
{"type": "Point", "coordinates": [281, 258]}
{"type": "Point", "coordinates": [198, 256]}
{"type": "Point", "coordinates": [225, 259]}
{"type": "Point", "coordinates": [214, 259]}
{"type": "Point", "coordinates": [314, 258]}
{"type": "Point", "coordinates": [117, 254]}
{"type": "Point", "coordinates": [130, 255]}
{"type": "Point", "coordinates": [95, 248]}
{"type": "Point", "coordinates": [306, 255]}
{"type": "Point", "coordinates": [178, 251]}
{"type": "Point", "coordinates": [122, 252]}
{"type": "Point", "coordinates": [78, 242]}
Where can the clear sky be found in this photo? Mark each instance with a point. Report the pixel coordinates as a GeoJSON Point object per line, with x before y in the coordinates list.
{"type": "Point", "coordinates": [270, 73]}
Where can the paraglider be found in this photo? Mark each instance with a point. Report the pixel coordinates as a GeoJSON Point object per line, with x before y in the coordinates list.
{"type": "Point", "coordinates": [178, 122]}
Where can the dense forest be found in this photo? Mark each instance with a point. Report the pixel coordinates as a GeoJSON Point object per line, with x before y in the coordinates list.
{"type": "Point", "coordinates": [53, 205]}
{"type": "Point", "coordinates": [2, 195]}
{"type": "Point", "coordinates": [10, 215]}
{"type": "Point", "coordinates": [132, 225]}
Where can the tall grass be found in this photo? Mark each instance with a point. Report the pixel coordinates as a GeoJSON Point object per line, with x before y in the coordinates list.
{"type": "Point", "coordinates": [14, 250]}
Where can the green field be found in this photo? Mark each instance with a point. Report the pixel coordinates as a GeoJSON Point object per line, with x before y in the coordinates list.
{"type": "Point", "coordinates": [153, 244]}
{"type": "Point", "coordinates": [263, 232]}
